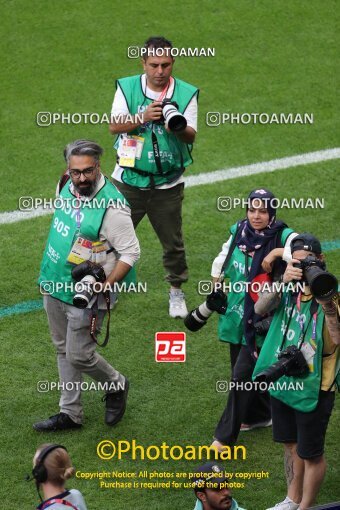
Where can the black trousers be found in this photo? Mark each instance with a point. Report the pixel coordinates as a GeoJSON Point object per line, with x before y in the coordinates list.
{"type": "Point", "coordinates": [242, 406]}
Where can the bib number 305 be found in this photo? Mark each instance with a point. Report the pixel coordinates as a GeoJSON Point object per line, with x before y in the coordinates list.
{"type": "Point", "coordinates": [61, 227]}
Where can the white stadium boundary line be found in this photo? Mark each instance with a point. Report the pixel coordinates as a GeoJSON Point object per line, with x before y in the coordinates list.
{"type": "Point", "coordinates": [210, 177]}
{"type": "Point", "coordinates": [262, 167]}
{"type": "Point", "coordinates": [15, 216]}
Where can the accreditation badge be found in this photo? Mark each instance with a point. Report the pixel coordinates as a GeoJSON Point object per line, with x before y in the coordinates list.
{"type": "Point", "coordinates": [98, 252]}
{"type": "Point", "coordinates": [127, 152]}
{"type": "Point", "coordinates": [308, 350]}
{"type": "Point", "coordinates": [81, 251]}
{"type": "Point", "coordinates": [140, 144]}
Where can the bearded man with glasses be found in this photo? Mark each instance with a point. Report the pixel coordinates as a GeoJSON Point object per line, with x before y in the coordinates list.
{"type": "Point", "coordinates": [93, 225]}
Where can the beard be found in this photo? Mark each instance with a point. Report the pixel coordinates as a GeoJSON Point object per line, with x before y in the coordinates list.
{"type": "Point", "coordinates": [85, 188]}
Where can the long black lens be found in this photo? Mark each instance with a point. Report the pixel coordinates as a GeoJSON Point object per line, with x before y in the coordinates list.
{"type": "Point", "coordinates": [272, 373]}
{"type": "Point", "coordinates": [177, 123]}
{"type": "Point", "coordinates": [198, 317]}
{"type": "Point", "coordinates": [175, 120]}
{"type": "Point", "coordinates": [192, 322]}
{"type": "Point", "coordinates": [323, 285]}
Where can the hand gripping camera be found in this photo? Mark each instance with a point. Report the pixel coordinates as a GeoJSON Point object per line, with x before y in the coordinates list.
{"type": "Point", "coordinates": [86, 274]}
{"type": "Point", "coordinates": [172, 117]}
{"type": "Point", "coordinates": [291, 362]}
{"type": "Point", "coordinates": [323, 285]}
{"type": "Point", "coordinates": [216, 302]}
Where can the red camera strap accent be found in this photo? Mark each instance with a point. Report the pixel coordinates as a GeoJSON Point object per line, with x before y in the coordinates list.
{"type": "Point", "coordinates": [165, 90]}
{"type": "Point", "coordinates": [51, 502]}
{"type": "Point", "coordinates": [94, 318]}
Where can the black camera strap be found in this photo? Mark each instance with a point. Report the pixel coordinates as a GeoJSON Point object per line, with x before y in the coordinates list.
{"type": "Point", "coordinates": [94, 318]}
{"type": "Point", "coordinates": [313, 308]}
{"type": "Point", "coordinates": [156, 153]}
{"type": "Point", "coordinates": [230, 252]}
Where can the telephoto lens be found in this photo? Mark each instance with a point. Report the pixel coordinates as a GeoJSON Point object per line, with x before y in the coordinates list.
{"type": "Point", "coordinates": [172, 117]}
{"type": "Point", "coordinates": [216, 302]}
{"type": "Point", "coordinates": [323, 285]}
{"type": "Point", "coordinates": [198, 317]}
{"type": "Point", "coordinates": [84, 291]}
{"type": "Point", "coordinates": [291, 362]}
{"type": "Point", "coordinates": [86, 274]}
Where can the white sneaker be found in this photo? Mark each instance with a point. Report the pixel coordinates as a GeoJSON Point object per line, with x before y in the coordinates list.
{"type": "Point", "coordinates": [177, 305]}
{"type": "Point", "coordinates": [245, 427]}
{"type": "Point", "coordinates": [287, 504]}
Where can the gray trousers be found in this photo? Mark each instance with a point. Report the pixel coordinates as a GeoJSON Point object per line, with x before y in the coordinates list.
{"type": "Point", "coordinates": [76, 353]}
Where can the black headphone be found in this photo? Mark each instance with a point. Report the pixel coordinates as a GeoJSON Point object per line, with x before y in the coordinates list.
{"type": "Point", "coordinates": [39, 472]}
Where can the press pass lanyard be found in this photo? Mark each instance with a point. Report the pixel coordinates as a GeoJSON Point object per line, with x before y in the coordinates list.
{"type": "Point", "coordinates": [78, 216]}
{"type": "Point", "coordinates": [165, 90]}
{"type": "Point", "coordinates": [314, 315]}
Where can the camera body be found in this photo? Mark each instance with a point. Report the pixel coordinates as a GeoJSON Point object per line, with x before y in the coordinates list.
{"type": "Point", "coordinates": [172, 117]}
{"type": "Point", "coordinates": [86, 274]}
{"type": "Point", "coordinates": [323, 284]}
{"type": "Point", "coordinates": [310, 261]}
{"type": "Point", "coordinates": [291, 362]}
{"type": "Point", "coordinates": [216, 302]}
{"type": "Point", "coordinates": [262, 326]}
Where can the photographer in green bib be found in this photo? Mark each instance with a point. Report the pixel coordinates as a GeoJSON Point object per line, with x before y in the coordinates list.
{"type": "Point", "coordinates": [91, 245]}
{"type": "Point", "coordinates": [154, 116]}
{"type": "Point", "coordinates": [302, 346]}
{"type": "Point", "coordinates": [254, 249]}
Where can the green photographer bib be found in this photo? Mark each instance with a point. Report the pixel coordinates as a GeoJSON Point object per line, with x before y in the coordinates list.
{"type": "Point", "coordinates": [286, 388]}
{"type": "Point", "coordinates": [230, 325]}
{"type": "Point", "coordinates": [54, 267]}
{"type": "Point", "coordinates": [174, 154]}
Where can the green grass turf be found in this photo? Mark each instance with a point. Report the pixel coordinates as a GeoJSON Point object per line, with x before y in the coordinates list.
{"type": "Point", "coordinates": [176, 403]}
{"type": "Point", "coordinates": [64, 56]}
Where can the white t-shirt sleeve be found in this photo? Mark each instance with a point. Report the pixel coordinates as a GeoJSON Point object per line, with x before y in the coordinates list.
{"type": "Point", "coordinates": [287, 254]}
{"type": "Point", "coordinates": [216, 267]}
{"type": "Point", "coordinates": [191, 113]}
{"type": "Point", "coordinates": [118, 229]}
{"type": "Point", "coordinates": [119, 105]}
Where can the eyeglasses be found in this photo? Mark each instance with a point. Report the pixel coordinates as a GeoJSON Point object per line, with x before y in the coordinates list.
{"type": "Point", "coordinates": [88, 172]}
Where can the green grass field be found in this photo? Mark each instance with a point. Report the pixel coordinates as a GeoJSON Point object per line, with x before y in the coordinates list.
{"type": "Point", "coordinates": [271, 56]}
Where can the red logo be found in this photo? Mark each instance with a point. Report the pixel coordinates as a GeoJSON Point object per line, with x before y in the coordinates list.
{"type": "Point", "coordinates": [170, 346]}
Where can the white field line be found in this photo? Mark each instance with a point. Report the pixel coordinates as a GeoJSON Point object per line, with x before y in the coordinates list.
{"type": "Point", "coordinates": [262, 167]}
{"type": "Point", "coordinates": [211, 177]}
{"type": "Point", "coordinates": [14, 216]}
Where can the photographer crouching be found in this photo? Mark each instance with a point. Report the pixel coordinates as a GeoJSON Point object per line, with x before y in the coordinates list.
{"type": "Point", "coordinates": [302, 347]}
{"type": "Point", "coordinates": [91, 241]}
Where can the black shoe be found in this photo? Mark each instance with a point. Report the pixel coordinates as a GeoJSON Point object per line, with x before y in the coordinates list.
{"type": "Point", "coordinates": [60, 421]}
{"type": "Point", "coordinates": [115, 404]}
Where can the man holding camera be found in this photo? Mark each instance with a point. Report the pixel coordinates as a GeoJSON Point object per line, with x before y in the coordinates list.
{"type": "Point", "coordinates": [302, 343]}
{"type": "Point", "coordinates": [91, 234]}
{"type": "Point", "coordinates": [155, 118]}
